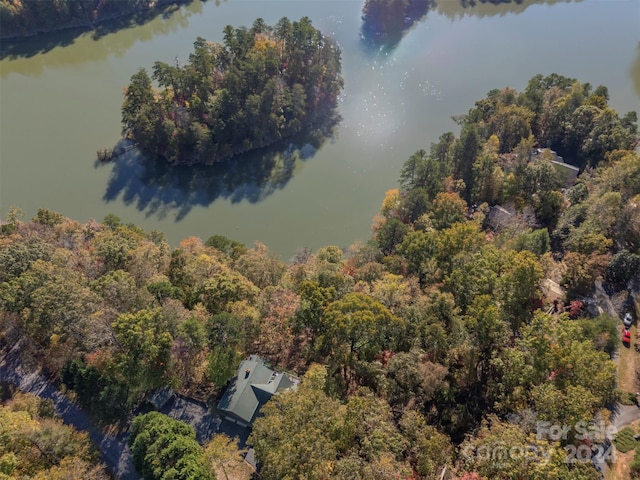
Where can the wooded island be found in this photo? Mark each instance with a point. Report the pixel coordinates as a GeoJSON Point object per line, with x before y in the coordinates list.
{"type": "Point", "coordinates": [259, 86]}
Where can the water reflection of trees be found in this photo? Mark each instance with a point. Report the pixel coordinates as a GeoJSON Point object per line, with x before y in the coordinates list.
{"type": "Point", "coordinates": [386, 22]}
{"type": "Point", "coordinates": [489, 8]}
{"type": "Point", "coordinates": [161, 189]}
{"type": "Point", "coordinates": [169, 18]}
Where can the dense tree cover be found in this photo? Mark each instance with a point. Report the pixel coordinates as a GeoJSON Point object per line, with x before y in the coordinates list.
{"type": "Point", "coordinates": [34, 444]}
{"type": "Point", "coordinates": [164, 449]}
{"type": "Point", "coordinates": [354, 440]}
{"type": "Point", "coordinates": [507, 441]}
{"type": "Point", "coordinates": [26, 18]}
{"type": "Point", "coordinates": [260, 85]}
{"type": "Point", "coordinates": [495, 161]}
{"type": "Point", "coordinates": [424, 343]}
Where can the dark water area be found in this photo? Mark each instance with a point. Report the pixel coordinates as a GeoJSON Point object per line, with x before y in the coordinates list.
{"type": "Point", "coordinates": [385, 24]}
{"type": "Point", "coordinates": [157, 188]}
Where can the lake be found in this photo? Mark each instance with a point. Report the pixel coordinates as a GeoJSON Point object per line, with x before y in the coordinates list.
{"type": "Point", "coordinates": [60, 101]}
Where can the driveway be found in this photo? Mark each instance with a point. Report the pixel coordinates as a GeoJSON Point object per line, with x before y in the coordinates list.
{"type": "Point", "coordinates": [205, 423]}
{"type": "Point", "coordinates": [114, 450]}
{"type": "Point", "coordinates": [624, 415]}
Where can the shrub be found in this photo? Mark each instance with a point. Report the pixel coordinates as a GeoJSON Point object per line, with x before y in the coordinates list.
{"type": "Point", "coordinates": [634, 468]}
{"type": "Point", "coordinates": [624, 267]}
{"type": "Point", "coordinates": [625, 440]}
{"type": "Point", "coordinates": [626, 398]}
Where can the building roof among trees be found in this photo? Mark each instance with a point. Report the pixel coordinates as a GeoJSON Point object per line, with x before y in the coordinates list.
{"type": "Point", "coordinates": [254, 385]}
{"type": "Point", "coordinates": [498, 217]}
{"type": "Point", "coordinates": [160, 397]}
{"type": "Point", "coordinates": [567, 171]}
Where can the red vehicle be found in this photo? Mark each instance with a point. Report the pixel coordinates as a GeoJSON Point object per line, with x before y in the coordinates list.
{"type": "Point", "coordinates": [626, 336]}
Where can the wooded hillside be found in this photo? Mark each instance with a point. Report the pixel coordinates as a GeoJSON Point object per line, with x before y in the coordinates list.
{"type": "Point", "coordinates": [435, 340]}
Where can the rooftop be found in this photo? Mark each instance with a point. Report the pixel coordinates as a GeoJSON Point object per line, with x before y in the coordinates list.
{"type": "Point", "coordinates": [254, 385]}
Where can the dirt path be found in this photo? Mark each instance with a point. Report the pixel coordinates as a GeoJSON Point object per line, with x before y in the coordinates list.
{"type": "Point", "coordinates": [114, 450]}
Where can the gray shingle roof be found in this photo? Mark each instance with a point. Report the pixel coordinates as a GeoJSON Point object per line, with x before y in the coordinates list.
{"type": "Point", "coordinates": [254, 385]}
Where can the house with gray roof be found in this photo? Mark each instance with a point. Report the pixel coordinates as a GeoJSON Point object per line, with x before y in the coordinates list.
{"type": "Point", "coordinates": [498, 217]}
{"type": "Point", "coordinates": [254, 385]}
{"type": "Point", "coordinates": [567, 172]}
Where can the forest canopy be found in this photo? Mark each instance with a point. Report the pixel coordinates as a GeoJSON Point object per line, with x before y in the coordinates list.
{"type": "Point", "coordinates": [260, 85]}
{"type": "Point", "coordinates": [35, 444]}
{"type": "Point", "coordinates": [436, 337]}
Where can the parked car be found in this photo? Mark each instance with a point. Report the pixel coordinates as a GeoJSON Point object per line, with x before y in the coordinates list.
{"type": "Point", "coordinates": [626, 336]}
{"type": "Point", "coordinates": [628, 320]}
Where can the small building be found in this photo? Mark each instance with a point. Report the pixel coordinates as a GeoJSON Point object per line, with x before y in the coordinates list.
{"type": "Point", "coordinates": [553, 293]}
{"type": "Point", "coordinates": [160, 397]}
{"type": "Point", "coordinates": [498, 217]}
{"type": "Point", "coordinates": [567, 172]}
{"type": "Point", "coordinates": [254, 385]}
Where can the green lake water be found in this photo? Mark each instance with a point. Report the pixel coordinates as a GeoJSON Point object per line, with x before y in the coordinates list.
{"type": "Point", "coordinates": [60, 101]}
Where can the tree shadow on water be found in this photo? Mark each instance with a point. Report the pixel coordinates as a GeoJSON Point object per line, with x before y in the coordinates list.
{"type": "Point", "coordinates": [158, 188]}
{"type": "Point", "coordinates": [172, 13]}
{"type": "Point", "coordinates": [384, 24]}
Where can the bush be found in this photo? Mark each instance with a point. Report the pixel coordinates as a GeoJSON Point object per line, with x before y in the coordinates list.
{"type": "Point", "coordinates": [626, 398]}
{"type": "Point", "coordinates": [536, 241]}
{"type": "Point", "coordinates": [634, 468]}
{"type": "Point", "coordinates": [603, 330]}
{"type": "Point", "coordinates": [163, 448]}
{"type": "Point", "coordinates": [624, 267]}
{"type": "Point", "coordinates": [625, 441]}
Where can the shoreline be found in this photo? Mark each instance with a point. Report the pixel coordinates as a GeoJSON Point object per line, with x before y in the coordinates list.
{"type": "Point", "coordinates": [87, 24]}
